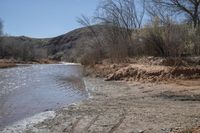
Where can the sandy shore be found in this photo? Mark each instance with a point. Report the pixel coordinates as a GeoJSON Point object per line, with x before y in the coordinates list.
{"type": "Point", "coordinates": [122, 107]}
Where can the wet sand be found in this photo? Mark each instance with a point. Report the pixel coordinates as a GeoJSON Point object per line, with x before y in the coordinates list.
{"type": "Point", "coordinates": [127, 107]}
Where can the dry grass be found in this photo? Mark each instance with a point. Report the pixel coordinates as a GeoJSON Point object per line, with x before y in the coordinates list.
{"type": "Point", "coordinates": [154, 73]}
{"type": "Point", "coordinates": [6, 63]}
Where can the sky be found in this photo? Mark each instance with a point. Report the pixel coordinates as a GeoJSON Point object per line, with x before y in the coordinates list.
{"type": "Point", "coordinates": [43, 18]}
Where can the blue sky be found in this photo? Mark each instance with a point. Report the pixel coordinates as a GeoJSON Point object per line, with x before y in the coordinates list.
{"type": "Point", "coordinates": [43, 18]}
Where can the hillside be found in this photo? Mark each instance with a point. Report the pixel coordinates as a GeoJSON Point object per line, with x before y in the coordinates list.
{"type": "Point", "coordinates": [73, 45]}
{"type": "Point", "coordinates": [22, 48]}
{"type": "Point", "coordinates": [70, 47]}
{"type": "Point", "coordinates": [24, 39]}
{"type": "Point", "coordinates": [81, 45]}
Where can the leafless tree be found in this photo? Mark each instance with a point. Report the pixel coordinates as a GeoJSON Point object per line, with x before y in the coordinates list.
{"type": "Point", "coordinates": [156, 12]}
{"type": "Point", "coordinates": [1, 27]}
{"type": "Point", "coordinates": [1, 32]}
{"type": "Point", "coordinates": [95, 43]}
{"type": "Point", "coordinates": [121, 13]}
{"type": "Point", "coordinates": [122, 17]}
{"type": "Point", "coordinates": [85, 21]}
{"type": "Point", "coordinates": [189, 8]}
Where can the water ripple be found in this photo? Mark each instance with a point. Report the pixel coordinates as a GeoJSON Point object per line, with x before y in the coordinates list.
{"type": "Point", "coordinates": [27, 90]}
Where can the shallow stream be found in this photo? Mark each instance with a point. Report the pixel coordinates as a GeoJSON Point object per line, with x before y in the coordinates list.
{"type": "Point", "coordinates": [30, 89]}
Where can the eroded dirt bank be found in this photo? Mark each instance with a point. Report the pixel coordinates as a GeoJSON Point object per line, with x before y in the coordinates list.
{"type": "Point", "coordinates": [7, 63]}
{"type": "Point", "coordinates": [129, 107]}
{"type": "Point", "coordinates": [147, 69]}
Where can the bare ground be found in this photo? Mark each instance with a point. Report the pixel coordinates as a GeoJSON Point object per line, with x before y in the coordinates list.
{"type": "Point", "coordinates": [129, 107]}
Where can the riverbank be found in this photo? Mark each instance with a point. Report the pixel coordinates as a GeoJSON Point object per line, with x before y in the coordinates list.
{"type": "Point", "coordinates": [124, 107]}
{"type": "Point", "coordinates": [7, 63]}
{"type": "Point", "coordinates": [147, 69]}
{"type": "Point", "coordinates": [147, 96]}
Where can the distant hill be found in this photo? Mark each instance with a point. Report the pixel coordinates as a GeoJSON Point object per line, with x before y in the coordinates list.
{"type": "Point", "coordinates": [75, 44]}
{"type": "Point", "coordinates": [70, 47]}
{"type": "Point", "coordinates": [24, 39]}
{"type": "Point", "coordinates": [22, 48]}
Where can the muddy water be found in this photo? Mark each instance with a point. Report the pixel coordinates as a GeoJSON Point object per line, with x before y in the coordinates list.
{"type": "Point", "coordinates": [28, 90]}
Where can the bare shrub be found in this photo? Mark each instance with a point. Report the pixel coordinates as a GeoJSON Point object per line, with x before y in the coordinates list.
{"type": "Point", "coordinates": [96, 43]}
{"type": "Point", "coordinates": [21, 48]}
{"type": "Point", "coordinates": [190, 9]}
{"type": "Point", "coordinates": [154, 43]}
{"type": "Point", "coordinates": [175, 38]}
{"type": "Point", "coordinates": [120, 18]}
{"type": "Point", "coordinates": [1, 27]}
{"type": "Point", "coordinates": [192, 46]}
{"type": "Point", "coordinates": [117, 43]}
{"type": "Point", "coordinates": [169, 40]}
{"type": "Point", "coordinates": [1, 33]}
{"type": "Point", "coordinates": [138, 46]}
{"type": "Point", "coordinates": [89, 59]}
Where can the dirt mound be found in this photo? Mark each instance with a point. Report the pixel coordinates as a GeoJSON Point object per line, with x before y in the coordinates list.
{"type": "Point", "coordinates": [153, 73]}
{"type": "Point", "coordinates": [170, 61]}
{"type": "Point", "coordinates": [102, 70]}
{"type": "Point", "coordinates": [148, 69]}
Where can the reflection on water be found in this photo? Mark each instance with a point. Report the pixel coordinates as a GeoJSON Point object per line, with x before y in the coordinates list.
{"type": "Point", "coordinates": [27, 90]}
